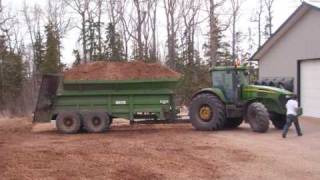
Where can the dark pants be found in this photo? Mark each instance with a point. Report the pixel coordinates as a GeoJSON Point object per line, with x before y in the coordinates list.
{"type": "Point", "coordinates": [292, 119]}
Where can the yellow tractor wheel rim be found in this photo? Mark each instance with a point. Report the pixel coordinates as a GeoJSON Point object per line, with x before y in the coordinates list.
{"type": "Point", "coordinates": [205, 113]}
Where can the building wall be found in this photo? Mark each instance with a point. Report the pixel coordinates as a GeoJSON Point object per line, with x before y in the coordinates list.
{"type": "Point", "coordinates": [302, 41]}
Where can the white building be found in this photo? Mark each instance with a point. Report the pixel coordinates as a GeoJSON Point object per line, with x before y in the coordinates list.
{"type": "Point", "coordinates": [294, 51]}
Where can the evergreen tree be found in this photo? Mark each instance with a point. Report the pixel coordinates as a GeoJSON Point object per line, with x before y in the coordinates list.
{"type": "Point", "coordinates": [224, 55]}
{"type": "Point", "coordinates": [51, 62]}
{"type": "Point", "coordinates": [38, 52]}
{"type": "Point", "coordinates": [91, 39]}
{"type": "Point", "coordinates": [217, 51]}
{"type": "Point", "coordinates": [114, 49]}
{"type": "Point", "coordinates": [12, 75]}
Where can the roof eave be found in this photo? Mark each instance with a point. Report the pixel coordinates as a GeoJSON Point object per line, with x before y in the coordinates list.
{"type": "Point", "coordinates": [297, 14]}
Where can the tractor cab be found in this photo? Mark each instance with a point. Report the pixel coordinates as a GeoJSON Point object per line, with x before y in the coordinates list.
{"type": "Point", "coordinates": [229, 80]}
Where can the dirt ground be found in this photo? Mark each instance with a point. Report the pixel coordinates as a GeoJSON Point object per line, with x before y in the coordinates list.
{"type": "Point", "coordinates": [174, 151]}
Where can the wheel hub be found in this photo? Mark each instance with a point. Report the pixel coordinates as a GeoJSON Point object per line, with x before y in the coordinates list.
{"type": "Point", "coordinates": [68, 122]}
{"type": "Point", "coordinates": [205, 113]}
{"type": "Point", "coordinates": [96, 121]}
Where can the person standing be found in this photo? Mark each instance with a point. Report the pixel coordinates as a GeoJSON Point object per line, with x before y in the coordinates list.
{"type": "Point", "coordinates": [292, 116]}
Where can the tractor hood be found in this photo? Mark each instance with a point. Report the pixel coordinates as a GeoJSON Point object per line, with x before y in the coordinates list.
{"type": "Point", "coordinates": [273, 98]}
{"type": "Point", "coordinates": [269, 89]}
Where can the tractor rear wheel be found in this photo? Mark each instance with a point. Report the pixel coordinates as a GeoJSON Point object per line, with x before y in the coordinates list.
{"type": "Point", "coordinates": [233, 123]}
{"type": "Point", "coordinates": [207, 112]}
{"type": "Point", "coordinates": [278, 120]}
{"type": "Point", "coordinates": [96, 122]}
{"type": "Point", "coordinates": [258, 117]}
{"type": "Point", "coordinates": [68, 122]}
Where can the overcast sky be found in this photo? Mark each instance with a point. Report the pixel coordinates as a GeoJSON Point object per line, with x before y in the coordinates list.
{"type": "Point", "coordinates": [282, 10]}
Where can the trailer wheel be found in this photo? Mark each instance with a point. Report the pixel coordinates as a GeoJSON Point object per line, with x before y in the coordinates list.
{"type": "Point", "coordinates": [258, 117]}
{"type": "Point", "coordinates": [207, 112]}
{"type": "Point", "coordinates": [96, 122]}
{"type": "Point", "coordinates": [68, 122]}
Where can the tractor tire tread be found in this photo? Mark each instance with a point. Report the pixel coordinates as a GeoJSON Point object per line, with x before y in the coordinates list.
{"type": "Point", "coordinates": [261, 122]}
{"type": "Point", "coordinates": [89, 127]}
{"type": "Point", "coordinates": [77, 123]}
{"type": "Point", "coordinates": [217, 122]}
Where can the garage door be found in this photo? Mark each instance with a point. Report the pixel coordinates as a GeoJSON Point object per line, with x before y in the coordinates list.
{"type": "Point", "coordinates": [310, 88]}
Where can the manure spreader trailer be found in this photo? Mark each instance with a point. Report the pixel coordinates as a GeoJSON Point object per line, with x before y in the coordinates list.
{"type": "Point", "coordinates": [93, 104]}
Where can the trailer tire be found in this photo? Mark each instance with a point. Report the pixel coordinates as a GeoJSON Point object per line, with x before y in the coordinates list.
{"type": "Point", "coordinates": [278, 120]}
{"type": "Point", "coordinates": [216, 119]}
{"type": "Point", "coordinates": [96, 122]}
{"type": "Point", "coordinates": [233, 123]}
{"type": "Point", "coordinates": [68, 122]}
{"type": "Point", "coordinates": [258, 117]}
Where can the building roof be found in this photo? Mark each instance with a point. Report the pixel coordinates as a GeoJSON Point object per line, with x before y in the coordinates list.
{"type": "Point", "coordinates": [283, 29]}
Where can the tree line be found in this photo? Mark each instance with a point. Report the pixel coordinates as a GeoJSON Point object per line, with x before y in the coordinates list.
{"type": "Point", "coordinates": [163, 31]}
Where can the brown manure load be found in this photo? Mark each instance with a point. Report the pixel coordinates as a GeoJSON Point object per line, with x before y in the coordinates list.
{"type": "Point", "coordinates": [134, 70]}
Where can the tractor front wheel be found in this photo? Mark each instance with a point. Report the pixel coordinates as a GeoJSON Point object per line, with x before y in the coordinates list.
{"type": "Point", "coordinates": [258, 117]}
{"type": "Point", "coordinates": [207, 112]}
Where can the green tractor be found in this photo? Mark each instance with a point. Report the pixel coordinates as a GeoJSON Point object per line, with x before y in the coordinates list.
{"type": "Point", "coordinates": [232, 100]}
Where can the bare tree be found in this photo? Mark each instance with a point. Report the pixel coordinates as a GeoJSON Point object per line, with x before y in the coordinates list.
{"type": "Point", "coordinates": [125, 30]}
{"type": "Point", "coordinates": [3, 19]}
{"type": "Point", "coordinates": [145, 34]}
{"type": "Point", "coordinates": [99, 24]}
{"type": "Point", "coordinates": [257, 17]}
{"type": "Point", "coordinates": [81, 7]}
{"type": "Point", "coordinates": [121, 21]}
{"type": "Point", "coordinates": [190, 10]}
{"type": "Point", "coordinates": [138, 28]}
{"type": "Point", "coordinates": [115, 10]}
{"type": "Point", "coordinates": [141, 18]}
{"type": "Point", "coordinates": [269, 6]}
{"type": "Point", "coordinates": [173, 15]}
{"type": "Point", "coordinates": [11, 30]}
{"type": "Point", "coordinates": [153, 26]}
{"type": "Point", "coordinates": [90, 35]}
{"type": "Point", "coordinates": [32, 18]}
{"type": "Point", "coordinates": [149, 28]}
{"type": "Point", "coordinates": [235, 7]}
{"type": "Point", "coordinates": [33, 22]}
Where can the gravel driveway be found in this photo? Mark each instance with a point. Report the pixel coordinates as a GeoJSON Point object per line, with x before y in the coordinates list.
{"type": "Point", "coordinates": [171, 151]}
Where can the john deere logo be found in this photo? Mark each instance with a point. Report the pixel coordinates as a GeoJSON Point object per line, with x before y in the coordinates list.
{"type": "Point", "coordinates": [164, 101]}
{"type": "Point", "coordinates": [121, 102]}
